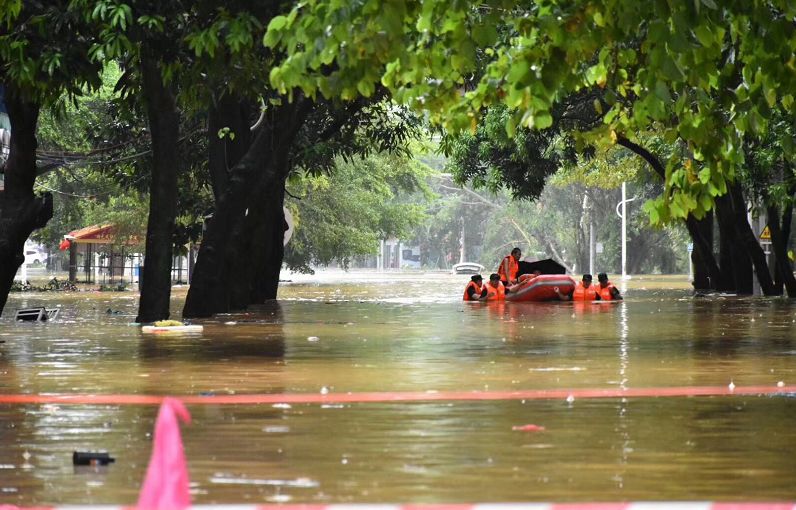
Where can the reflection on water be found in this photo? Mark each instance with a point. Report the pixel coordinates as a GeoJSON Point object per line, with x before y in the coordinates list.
{"type": "Point", "coordinates": [370, 332]}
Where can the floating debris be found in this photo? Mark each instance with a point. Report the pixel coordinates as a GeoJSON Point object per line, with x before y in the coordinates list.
{"type": "Point", "coordinates": [528, 428]}
{"type": "Point", "coordinates": [26, 456]}
{"type": "Point", "coordinates": [92, 458]}
{"type": "Point", "coordinates": [302, 483]}
{"type": "Point", "coordinates": [276, 429]}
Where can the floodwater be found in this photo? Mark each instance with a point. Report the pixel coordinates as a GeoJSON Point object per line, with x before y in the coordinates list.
{"type": "Point", "coordinates": [341, 333]}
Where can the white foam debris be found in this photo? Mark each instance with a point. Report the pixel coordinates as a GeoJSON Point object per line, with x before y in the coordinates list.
{"type": "Point", "coordinates": [276, 429]}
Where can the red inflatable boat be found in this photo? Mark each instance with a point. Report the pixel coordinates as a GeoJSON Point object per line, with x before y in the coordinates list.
{"type": "Point", "coordinates": [541, 288]}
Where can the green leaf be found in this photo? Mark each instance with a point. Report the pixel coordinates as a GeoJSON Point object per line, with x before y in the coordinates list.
{"type": "Point", "coordinates": [662, 92]}
{"type": "Point", "coordinates": [706, 201]}
{"type": "Point", "coordinates": [511, 126]}
{"type": "Point", "coordinates": [598, 19]}
{"type": "Point", "coordinates": [519, 74]}
{"type": "Point", "coordinates": [597, 74]}
{"type": "Point", "coordinates": [670, 69]}
{"type": "Point", "coordinates": [273, 32]}
{"type": "Point", "coordinates": [675, 208]}
{"type": "Point", "coordinates": [277, 23]}
{"type": "Point", "coordinates": [365, 88]}
{"type": "Point", "coordinates": [485, 35]}
{"type": "Point", "coordinates": [771, 96]}
{"type": "Point", "coordinates": [704, 35]}
{"type": "Point", "coordinates": [542, 120]}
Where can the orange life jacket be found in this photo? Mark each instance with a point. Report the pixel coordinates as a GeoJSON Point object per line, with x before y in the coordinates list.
{"type": "Point", "coordinates": [582, 293]}
{"type": "Point", "coordinates": [606, 292]}
{"type": "Point", "coordinates": [497, 293]}
{"type": "Point", "coordinates": [513, 266]}
{"type": "Point", "coordinates": [477, 290]}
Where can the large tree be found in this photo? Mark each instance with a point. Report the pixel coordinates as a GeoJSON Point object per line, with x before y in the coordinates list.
{"type": "Point", "coordinates": [707, 74]}
{"type": "Point", "coordinates": [242, 253]}
{"type": "Point", "coordinates": [713, 57]}
{"type": "Point", "coordinates": [143, 35]}
{"type": "Point", "coordinates": [43, 48]}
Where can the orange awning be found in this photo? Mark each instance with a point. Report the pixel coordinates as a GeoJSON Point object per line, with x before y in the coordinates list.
{"type": "Point", "coordinates": [95, 234]}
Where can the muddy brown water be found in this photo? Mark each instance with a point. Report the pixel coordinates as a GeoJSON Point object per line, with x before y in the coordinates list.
{"type": "Point", "coordinates": [342, 332]}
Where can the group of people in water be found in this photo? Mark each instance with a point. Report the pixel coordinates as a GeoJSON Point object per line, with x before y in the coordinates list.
{"type": "Point", "coordinates": [508, 280]}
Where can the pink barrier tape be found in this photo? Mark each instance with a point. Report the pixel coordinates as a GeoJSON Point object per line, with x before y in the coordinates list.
{"type": "Point", "coordinates": [651, 505]}
{"type": "Point", "coordinates": [408, 396]}
{"type": "Point", "coordinates": [167, 484]}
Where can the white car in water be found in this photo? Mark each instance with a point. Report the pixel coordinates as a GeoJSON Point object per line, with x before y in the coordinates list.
{"type": "Point", "coordinates": [35, 254]}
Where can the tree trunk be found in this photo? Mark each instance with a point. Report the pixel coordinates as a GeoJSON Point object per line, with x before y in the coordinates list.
{"type": "Point", "coordinates": [253, 249]}
{"type": "Point", "coordinates": [207, 294]}
{"type": "Point", "coordinates": [239, 263]}
{"type": "Point", "coordinates": [232, 113]}
{"type": "Point", "coordinates": [748, 241]}
{"type": "Point", "coordinates": [780, 233]}
{"type": "Point", "coordinates": [224, 152]}
{"type": "Point", "coordinates": [21, 212]}
{"type": "Point", "coordinates": [164, 127]}
{"type": "Point", "coordinates": [703, 230]}
{"type": "Point", "coordinates": [736, 266]}
{"type": "Point", "coordinates": [268, 242]}
{"type": "Point", "coordinates": [707, 274]}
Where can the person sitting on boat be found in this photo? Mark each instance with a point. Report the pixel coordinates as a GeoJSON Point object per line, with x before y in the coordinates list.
{"type": "Point", "coordinates": [495, 290]}
{"type": "Point", "coordinates": [606, 289]}
{"type": "Point", "coordinates": [509, 267]}
{"type": "Point", "coordinates": [474, 290]}
{"type": "Point", "coordinates": [583, 291]}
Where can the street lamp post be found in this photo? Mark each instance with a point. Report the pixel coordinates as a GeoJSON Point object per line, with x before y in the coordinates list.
{"type": "Point", "coordinates": [623, 215]}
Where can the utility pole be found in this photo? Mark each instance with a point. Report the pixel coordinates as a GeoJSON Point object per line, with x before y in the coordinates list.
{"type": "Point", "coordinates": [624, 230]}
{"type": "Point", "coordinates": [592, 244]}
{"type": "Point", "coordinates": [461, 245]}
{"type": "Point", "coordinates": [623, 215]}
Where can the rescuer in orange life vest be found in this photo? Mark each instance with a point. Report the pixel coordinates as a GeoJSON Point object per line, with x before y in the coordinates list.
{"type": "Point", "coordinates": [474, 290]}
{"type": "Point", "coordinates": [606, 289]}
{"type": "Point", "coordinates": [509, 267]}
{"type": "Point", "coordinates": [495, 290]}
{"type": "Point", "coordinates": [583, 291]}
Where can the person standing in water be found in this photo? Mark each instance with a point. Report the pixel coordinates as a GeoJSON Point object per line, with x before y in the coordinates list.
{"type": "Point", "coordinates": [606, 289]}
{"type": "Point", "coordinates": [583, 291]}
{"type": "Point", "coordinates": [495, 290]}
{"type": "Point", "coordinates": [474, 290]}
{"type": "Point", "coordinates": [509, 267]}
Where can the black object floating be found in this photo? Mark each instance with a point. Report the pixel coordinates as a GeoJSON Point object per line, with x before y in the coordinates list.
{"type": "Point", "coordinates": [37, 314]}
{"type": "Point", "coordinates": [92, 458]}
